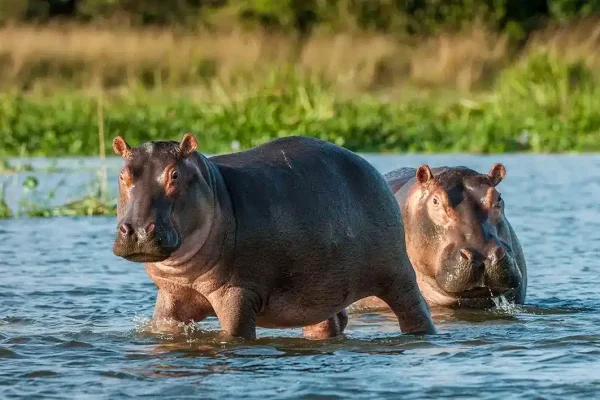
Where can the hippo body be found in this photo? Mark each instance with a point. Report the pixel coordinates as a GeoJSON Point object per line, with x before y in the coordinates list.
{"type": "Point", "coordinates": [460, 243]}
{"type": "Point", "coordinates": [286, 234]}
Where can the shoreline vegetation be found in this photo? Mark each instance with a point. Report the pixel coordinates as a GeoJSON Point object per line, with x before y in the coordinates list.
{"type": "Point", "coordinates": [470, 91]}
{"type": "Point", "coordinates": [375, 76]}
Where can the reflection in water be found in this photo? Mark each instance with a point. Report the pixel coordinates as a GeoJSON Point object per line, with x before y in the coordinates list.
{"type": "Point", "coordinates": [74, 319]}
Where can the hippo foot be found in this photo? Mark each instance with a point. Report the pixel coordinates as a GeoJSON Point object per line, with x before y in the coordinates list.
{"type": "Point", "coordinates": [330, 328]}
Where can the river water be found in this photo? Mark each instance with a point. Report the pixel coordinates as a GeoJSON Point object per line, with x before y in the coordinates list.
{"type": "Point", "coordinates": [74, 319]}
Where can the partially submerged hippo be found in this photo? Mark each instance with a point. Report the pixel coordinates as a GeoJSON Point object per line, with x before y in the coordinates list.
{"type": "Point", "coordinates": [283, 235]}
{"type": "Point", "coordinates": [462, 247]}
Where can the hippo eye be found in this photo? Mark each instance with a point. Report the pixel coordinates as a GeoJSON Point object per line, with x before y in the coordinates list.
{"type": "Point", "coordinates": [174, 175]}
{"type": "Point", "coordinates": [436, 202]}
{"type": "Point", "coordinates": [122, 177]}
{"type": "Point", "coordinates": [499, 201]}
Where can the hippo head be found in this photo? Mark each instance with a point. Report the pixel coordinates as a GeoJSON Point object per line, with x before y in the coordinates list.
{"type": "Point", "coordinates": [157, 185]}
{"type": "Point", "coordinates": [456, 234]}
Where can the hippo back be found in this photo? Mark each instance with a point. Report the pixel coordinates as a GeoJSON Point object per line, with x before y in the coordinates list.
{"type": "Point", "coordinates": [303, 206]}
{"type": "Point", "coordinates": [398, 178]}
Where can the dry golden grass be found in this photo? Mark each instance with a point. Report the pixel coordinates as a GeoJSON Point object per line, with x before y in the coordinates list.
{"type": "Point", "coordinates": [87, 57]}
{"type": "Point", "coordinates": [576, 41]}
{"type": "Point", "coordinates": [461, 60]}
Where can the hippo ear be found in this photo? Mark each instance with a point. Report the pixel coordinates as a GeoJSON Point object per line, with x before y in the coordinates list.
{"type": "Point", "coordinates": [188, 145]}
{"type": "Point", "coordinates": [424, 174]}
{"type": "Point", "coordinates": [497, 173]}
{"type": "Point", "coordinates": [121, 147]}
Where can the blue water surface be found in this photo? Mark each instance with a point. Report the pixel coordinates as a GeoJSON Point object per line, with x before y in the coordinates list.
{"type": "Point", "coordinates": [74, 319]}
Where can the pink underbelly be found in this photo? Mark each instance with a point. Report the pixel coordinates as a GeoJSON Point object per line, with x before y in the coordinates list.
{"type": "Point", "coordinates": [287, 311]}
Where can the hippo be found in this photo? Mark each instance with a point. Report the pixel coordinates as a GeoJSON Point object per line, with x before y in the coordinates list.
{"type": "Point", "coordinates": [286, 234]}
{"type": "Point", "coordinates": [460, 243]}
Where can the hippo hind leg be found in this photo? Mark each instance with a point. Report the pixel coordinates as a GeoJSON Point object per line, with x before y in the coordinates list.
{"type": "Point", "coordinates": [410, 308]}
{"type": "Point", "coordinates": [330, 328]}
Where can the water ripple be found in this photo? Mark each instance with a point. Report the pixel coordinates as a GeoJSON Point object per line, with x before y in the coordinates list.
{"type": "Point", "coordinates": [74, 319]}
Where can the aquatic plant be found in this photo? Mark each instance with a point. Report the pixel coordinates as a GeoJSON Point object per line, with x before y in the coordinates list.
{"type": "Point", "coordinates": [8, 168]}
{"type": "Point", "coordinates": [95, 201]}
{"type": "Point", "coordinates": [87, 206]}
{"type": "Point", "coordinates": [5, 211]}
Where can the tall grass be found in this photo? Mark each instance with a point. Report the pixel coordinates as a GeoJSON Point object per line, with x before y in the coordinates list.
{"type": "Point", "coordinates": [86, 57]}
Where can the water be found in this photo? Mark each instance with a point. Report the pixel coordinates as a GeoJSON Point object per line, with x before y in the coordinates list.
{"type": "Point", "coordinates": [74, 319]}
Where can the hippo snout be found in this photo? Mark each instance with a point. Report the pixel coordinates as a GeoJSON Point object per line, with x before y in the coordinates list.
{"type": "Point", "coordinates": [489, 272]}
{"type": "Point", "coordinates": [146, 242]}
{"type": "Point", "coordinates": [502, 272]}
{"type": "Point", "coordinates": [496, 254]}
{"type": "Point", "coordinates": [128, 232]}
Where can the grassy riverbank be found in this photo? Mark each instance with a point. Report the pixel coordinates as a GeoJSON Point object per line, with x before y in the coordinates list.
{"type": "Point", "coordinates": [540, 105]}
{"type": "Point", "coordinates": [472, 90]}
{"type": "Point", "coordinates": [68, 89]}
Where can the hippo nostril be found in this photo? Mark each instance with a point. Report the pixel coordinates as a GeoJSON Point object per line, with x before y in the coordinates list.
{"type": "Point", "coordinates": [473, 259]}
{"type": "Point", "coordinates": [497, 254]}
{"type": "Point", "coordinates": [467, 255]}
{"type": "Point", "coordinates": [125, 229]}
{"type": "Point", "coordinates": [150, 227]}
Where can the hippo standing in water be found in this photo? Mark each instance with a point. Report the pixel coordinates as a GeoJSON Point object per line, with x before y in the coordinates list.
{"type": "Point", "coordinates": [287, 234]}
{"type": "Point", "coordinates": [462, 247]}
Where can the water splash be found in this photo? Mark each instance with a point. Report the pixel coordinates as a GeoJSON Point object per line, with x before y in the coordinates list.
{"type": "Point", "coordinates": [168, 329]}
{"type": "Point", "coordinates": [502, 304]}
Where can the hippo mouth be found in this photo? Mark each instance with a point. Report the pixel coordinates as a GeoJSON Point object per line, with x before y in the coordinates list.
{"type": "Point", "coordinates": [480, 292]}
{"type": "Point", "coordinates": [150, 254]}
{"type": "Point", "coordinates": [145, 258]}
{"type": "Point", "coordinates": [151, 250]}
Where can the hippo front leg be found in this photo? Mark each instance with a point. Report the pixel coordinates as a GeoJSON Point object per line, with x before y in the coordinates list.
{"type": "Point", "coordinates": [171, 309]}
{"type": "Point", "coordinates": [332, 327]}
{"type": "Point", "coordinates": [236, 309]}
